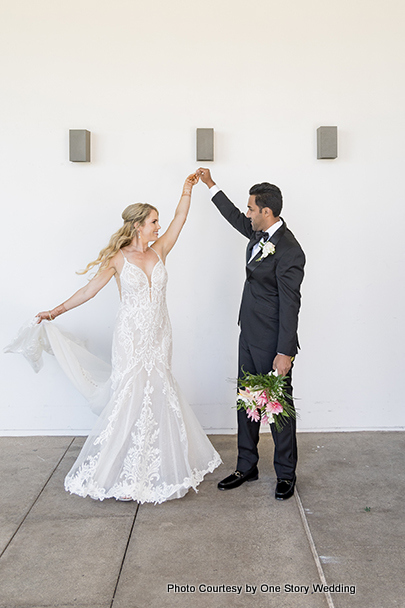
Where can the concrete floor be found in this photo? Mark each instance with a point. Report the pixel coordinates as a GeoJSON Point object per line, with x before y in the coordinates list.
{"type": "Point", "coordinates": [345, 526]}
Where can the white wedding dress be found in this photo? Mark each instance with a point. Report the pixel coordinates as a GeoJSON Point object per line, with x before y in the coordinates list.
{"type": "Point", "coordinates": [147, 444]}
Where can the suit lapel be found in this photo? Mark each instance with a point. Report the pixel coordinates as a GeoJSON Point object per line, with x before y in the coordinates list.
{"type": "Point", "coordinates": [249, 249]}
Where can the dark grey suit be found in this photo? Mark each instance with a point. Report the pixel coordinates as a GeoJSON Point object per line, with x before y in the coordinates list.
{"type": "Point", "coordinates": [268, 320]}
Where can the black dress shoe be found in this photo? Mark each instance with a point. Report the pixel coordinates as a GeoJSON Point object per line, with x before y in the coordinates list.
{"type": "Point", "coordinates": [285, 488]}
{"type": "Point", "coordinates": [237, 479]}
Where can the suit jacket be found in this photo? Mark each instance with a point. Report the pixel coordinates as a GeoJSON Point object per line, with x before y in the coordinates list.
{"type": "Point", "coordinates": [271, 297]}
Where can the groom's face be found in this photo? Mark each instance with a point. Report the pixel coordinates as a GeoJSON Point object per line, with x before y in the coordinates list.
{"type": "Point", "coordinates": [258, 219]}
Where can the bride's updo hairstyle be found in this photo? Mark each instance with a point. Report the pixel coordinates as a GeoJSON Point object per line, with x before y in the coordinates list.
{"type": "Point", "coordinates": [134, 216]}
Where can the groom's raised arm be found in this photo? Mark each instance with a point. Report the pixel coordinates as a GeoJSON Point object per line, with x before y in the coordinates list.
{"type": "Point", "coordinates": [231, 213]}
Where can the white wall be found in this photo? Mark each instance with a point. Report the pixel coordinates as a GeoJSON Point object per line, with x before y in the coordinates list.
{"type": "Point", "coordinates": [141, 77]}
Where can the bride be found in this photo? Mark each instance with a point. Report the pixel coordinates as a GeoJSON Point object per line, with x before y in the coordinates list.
{"type": "Point", "coordinates": [147, 445]}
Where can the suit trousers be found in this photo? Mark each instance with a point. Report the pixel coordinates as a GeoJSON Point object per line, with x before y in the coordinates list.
{"type": "Point", "coordinates": [257, 361]}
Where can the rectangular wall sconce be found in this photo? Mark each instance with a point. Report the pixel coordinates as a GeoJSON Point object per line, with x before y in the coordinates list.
{"type": "Point", "coordinates": [205, 144]}
{"type": "Point", "coordinates": [79, 146]}
{"type": "Point", "coordinates": [327, 142]}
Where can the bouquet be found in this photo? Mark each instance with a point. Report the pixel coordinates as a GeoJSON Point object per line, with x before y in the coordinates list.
{"type": "Point", "coordinates": [264, 397]}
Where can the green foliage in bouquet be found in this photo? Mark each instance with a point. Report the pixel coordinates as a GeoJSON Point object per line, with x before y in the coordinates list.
{"type": "Point", "coordinates": [264, 397]}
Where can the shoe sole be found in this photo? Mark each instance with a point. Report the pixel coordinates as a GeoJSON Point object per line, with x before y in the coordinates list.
{"type": "Point", "coordinates": [284, 497]}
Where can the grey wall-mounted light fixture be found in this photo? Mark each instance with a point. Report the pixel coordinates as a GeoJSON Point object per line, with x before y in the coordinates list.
{"type": "Point", "coordinates": [79, 146]}
{"type": "Point", "coordinates": [326, 142]}
{"type": "Point", "coordinates": [205, 144]}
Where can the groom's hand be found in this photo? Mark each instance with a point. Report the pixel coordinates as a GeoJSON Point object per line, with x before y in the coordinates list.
{"type": "Point", "coordinates": [205, 176]}
{"type": "Point", "coordinates": [282, 363]}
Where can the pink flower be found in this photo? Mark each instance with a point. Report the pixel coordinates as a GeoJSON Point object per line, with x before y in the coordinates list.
{"type": "Point", "coordinates": [262, 399]}
{"type": "Point", "coordinates": [253, 414]}
{"type": "Point", "coordinates": [274, 407]}
{"type": "Point", "coordinates": [267, 418]}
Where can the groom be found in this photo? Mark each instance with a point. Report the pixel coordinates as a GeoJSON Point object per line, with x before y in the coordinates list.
{"type": "Point", "coordinates": [268, 321]}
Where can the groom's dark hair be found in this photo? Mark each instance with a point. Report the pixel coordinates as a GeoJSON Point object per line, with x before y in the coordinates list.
{"type": "Point", "coordinates": [268, 195]}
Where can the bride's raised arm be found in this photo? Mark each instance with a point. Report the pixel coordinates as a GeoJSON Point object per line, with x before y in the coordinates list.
{"type": "Point", "coordinates": [166, 242]}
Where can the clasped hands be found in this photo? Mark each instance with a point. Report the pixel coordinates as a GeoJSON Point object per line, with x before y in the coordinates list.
{"type": "Point", "coordinates": [202, 173]}
{"type": "Point", "coordinates": [191, 181]}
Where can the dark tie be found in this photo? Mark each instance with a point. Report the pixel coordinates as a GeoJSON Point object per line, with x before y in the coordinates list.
{"type": "Point", "coordinates": [255, 238]}
{"type": "Point", "coordinates": [260, 234]}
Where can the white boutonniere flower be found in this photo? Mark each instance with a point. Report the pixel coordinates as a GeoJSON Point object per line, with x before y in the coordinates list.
{"type": "Point", "coordinates": [268, 248]}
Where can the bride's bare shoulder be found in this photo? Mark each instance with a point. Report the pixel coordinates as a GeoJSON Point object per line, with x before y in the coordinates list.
{"type": "Point", "coordinates": [117, 261]}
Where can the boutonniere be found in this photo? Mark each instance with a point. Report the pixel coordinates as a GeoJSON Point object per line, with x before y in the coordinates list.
{"type": "Point", "coordinates": [268, 248]}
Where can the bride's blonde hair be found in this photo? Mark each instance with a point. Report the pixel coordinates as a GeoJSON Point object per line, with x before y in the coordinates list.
{"type": "Point", "coordinates": [134, 216]}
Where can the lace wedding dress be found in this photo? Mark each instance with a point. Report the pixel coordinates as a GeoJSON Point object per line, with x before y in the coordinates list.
{"type": "Point", "coordinates": [147, 444]}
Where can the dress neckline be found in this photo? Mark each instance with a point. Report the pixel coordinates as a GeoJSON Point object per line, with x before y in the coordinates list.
{"type": "Point", "coordinates": [139, 268]}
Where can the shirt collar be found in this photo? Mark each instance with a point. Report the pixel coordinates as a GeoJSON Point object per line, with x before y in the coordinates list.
{"type": "Point", "coordinates": [274, 228]}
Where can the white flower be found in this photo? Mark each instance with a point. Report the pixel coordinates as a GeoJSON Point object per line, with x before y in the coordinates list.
{"type": "Point", "coordinates": [246, 397]}
{"type": "Point", "coordinates": [267, 248]}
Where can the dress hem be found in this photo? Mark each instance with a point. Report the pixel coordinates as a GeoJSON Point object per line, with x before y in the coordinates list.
{"type": "Point", "coordinates": [172, 491]}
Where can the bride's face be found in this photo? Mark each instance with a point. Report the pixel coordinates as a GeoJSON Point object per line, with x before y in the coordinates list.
{"type": "Point", "coordinates": [149, 231]}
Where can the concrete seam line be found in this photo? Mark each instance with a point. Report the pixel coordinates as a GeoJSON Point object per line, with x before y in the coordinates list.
{"type": "Point", "coordinates": [36, 499]}
{"type": "Point", "coordinates": [124, 556]}
{"type": "Point", "coordinates": [313, 548]}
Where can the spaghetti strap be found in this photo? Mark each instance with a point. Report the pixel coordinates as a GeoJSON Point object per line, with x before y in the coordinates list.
{"type": "Point", "coordinates": [157, 254]}
{"type": "Point", "coordinates": [123, 254]}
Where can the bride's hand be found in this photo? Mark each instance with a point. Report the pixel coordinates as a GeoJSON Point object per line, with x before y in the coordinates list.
{"type": "Point", "coordinates": [191, 181]}
{"type": "Point", "coordinates": [44, 315]}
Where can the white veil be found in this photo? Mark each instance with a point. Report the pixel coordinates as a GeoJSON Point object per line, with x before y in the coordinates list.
{"type": "Point", "coordinates": [89, 374]}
